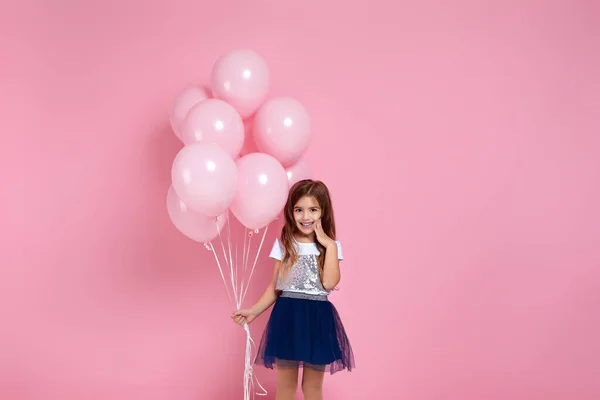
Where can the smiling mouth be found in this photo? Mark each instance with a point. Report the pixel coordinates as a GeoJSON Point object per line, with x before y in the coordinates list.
{"type": "Point", "coordinates": [306, 224]}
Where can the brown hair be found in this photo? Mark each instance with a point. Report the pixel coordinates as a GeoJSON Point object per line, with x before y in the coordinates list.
{"type": "Point", "coordinates": [319, 191]}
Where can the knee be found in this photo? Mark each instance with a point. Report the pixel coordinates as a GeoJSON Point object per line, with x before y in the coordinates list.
{"type": "Point", "coordinates": [288, 386]}
{"type": "Point", "coordinates": [312, 389]}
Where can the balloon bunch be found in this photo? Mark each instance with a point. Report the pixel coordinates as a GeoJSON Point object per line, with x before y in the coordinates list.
{"type": "Point", "coordinates": [218, 170]}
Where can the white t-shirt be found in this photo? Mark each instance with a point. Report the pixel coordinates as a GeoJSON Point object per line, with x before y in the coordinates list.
{"type": "Point", "coordinates": [303, 276]}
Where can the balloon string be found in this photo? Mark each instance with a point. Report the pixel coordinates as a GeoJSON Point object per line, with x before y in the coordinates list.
{"type": "Point", "coordinates": [256, 259]}
{"type": "Point", "coordinates": [248, 252]}
{"type": "Point", "coordinates": [244, 254]}
{"type": "Point", "coordinates": [220, 270]}
{"type": "Point", "coordinates": [231, 275]}
{"type": "Point", "coordinates": [250, 380]}
{"type": "Point", "coordinates": [250, 235]}
{"type": "Point", "coordinates": [249, 377]}
{"type": "Point", "coordinates": [233, 265]}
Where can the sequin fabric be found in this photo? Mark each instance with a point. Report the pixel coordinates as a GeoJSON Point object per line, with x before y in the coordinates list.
{"type": "Point", "coordinates": [302, 277]}
{"type": "Point", "coordinates": [304, 296]}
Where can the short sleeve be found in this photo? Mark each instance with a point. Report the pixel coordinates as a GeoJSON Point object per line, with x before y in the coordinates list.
{"type": "Point", "coordinates": [276, 252]}
{"type": "Point", "coordinates": [339, 247]}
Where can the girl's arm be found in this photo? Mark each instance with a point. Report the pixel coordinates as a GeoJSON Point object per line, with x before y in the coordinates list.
{"type": "Point", "coordinates": [331, 268]}
{"type": "Point", "coordinates": [270, 294]}
{"type": "Point", "coordinates": [266, 300]}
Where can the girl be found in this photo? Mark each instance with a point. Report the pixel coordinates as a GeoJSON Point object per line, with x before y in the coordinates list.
{"type": "Point", "coordinates": [304, 330]}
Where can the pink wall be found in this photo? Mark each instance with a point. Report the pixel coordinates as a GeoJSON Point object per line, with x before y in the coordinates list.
{"type": "Point", "coordinates": [468, 212]}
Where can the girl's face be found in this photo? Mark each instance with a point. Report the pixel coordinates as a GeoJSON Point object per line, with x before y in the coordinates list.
{"type": "Point", "coordinates": [306, 213]}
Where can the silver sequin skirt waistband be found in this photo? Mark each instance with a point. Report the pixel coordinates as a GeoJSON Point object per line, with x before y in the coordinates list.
{"type": "Point", "coordinates": [304, 296]}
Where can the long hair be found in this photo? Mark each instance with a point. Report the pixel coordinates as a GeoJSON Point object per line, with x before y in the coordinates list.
{"type": "Point", "coordinates": [319, 191]}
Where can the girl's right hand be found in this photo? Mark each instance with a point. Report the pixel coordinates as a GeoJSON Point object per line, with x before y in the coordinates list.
{"type": "Point", "coordinates": [243, 316]}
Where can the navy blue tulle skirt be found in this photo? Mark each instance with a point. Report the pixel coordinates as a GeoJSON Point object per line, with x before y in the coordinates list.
{"type": "Point", "coordinates": [305, 331]}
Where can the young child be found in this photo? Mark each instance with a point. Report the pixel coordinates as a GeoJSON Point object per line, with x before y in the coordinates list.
{"type": "Point", "coordinates": [304, 330]}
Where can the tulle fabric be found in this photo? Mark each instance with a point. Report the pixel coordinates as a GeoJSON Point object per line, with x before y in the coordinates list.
{"type": "Point", "coordinates": [305, 332]}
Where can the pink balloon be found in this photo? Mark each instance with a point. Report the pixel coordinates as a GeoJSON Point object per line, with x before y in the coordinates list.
{"type": "Point", "coordinates": [214, 121]}
{"type": "Point", "coordinates": [204, 177]}
{"type": "Point", "coordinates": [262, 190]}
{"type": "Point", "coordinates": [298, 171]}
{"type": "Point", "coordinates": [241, 78]}
{"type": "Point", "coordinates": [183, 104]}
{"type": "Point", "coordinates": [195, 226]}
{"type": "Point", "coordinates": [282, 129]}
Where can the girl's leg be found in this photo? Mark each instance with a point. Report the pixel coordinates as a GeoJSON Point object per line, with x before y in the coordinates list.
{"type": "Point", "coordinates": [312, 384]}
{"type": "Point", "coordinates": [287, 383]}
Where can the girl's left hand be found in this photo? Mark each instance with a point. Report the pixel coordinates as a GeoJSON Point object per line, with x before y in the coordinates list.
{"type": "Point", "coordinates": [322, 237]}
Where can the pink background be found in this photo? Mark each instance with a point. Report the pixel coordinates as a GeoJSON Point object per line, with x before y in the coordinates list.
{"type": "Point", "coordinates": [461, 144]}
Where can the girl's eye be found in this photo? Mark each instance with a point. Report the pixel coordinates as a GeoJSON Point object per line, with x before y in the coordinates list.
{"type": "Point", "coordinates": [313, 210]}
